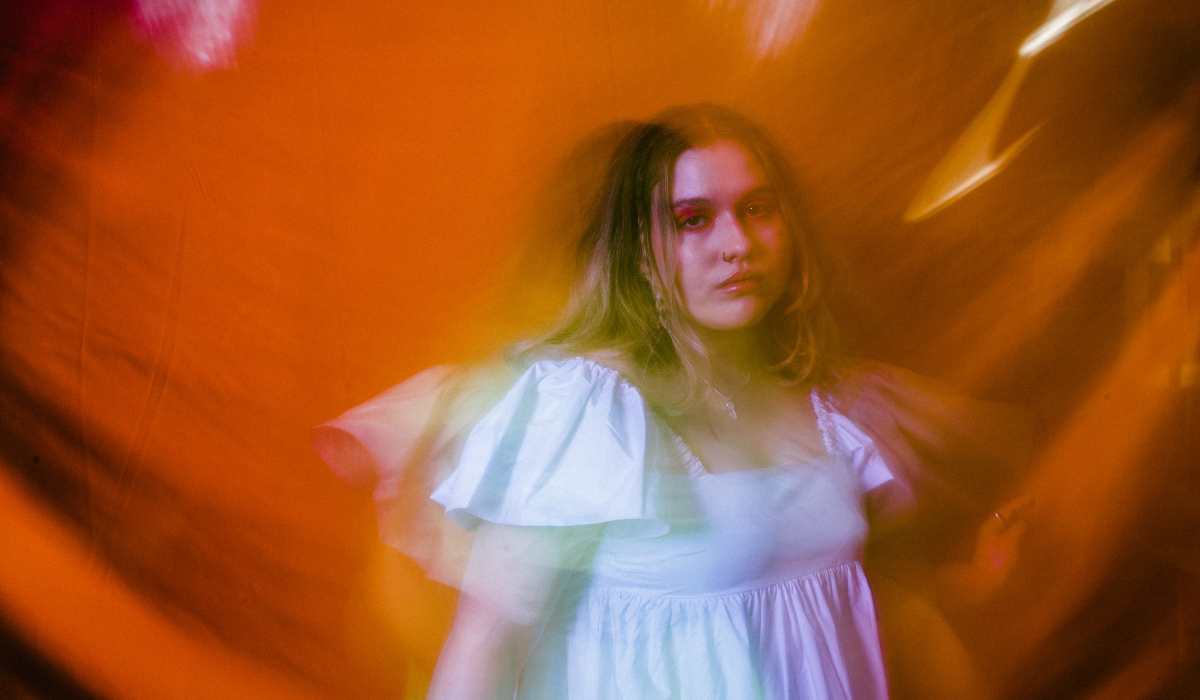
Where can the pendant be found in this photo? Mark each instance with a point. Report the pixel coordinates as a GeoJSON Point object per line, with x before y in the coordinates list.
{"type": "Point", "coordinates": [727, 399]}
{"type": "Point", "coordinates": [729, 407]}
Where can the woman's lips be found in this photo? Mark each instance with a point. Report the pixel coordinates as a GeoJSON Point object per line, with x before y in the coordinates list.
{"type": "Point", "coordinates": [740, 282]}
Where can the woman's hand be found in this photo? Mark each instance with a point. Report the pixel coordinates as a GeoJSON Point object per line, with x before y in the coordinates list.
{"type": "Point", "coordinates": [996, 547]}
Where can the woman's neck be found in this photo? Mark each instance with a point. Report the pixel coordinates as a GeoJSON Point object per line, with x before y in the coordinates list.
{"type": "Point", "coordinates": [734, 354]}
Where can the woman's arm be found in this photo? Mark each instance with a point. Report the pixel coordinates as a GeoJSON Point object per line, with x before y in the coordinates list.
{"type": "Point", "coordinates": [514, 577]}
{"type": "Point", "coordinates": [963, 584]}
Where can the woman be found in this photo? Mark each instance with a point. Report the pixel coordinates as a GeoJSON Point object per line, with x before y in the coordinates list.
{"type": "Point", "coordinates": [666, 503]}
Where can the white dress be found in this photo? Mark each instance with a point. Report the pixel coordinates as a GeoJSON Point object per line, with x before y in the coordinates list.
{"type": "Point", "coordinates": [734, 586]}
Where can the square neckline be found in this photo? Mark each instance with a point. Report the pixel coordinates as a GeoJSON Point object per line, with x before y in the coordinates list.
{"type": "Point", "coordinates": [692, 463]}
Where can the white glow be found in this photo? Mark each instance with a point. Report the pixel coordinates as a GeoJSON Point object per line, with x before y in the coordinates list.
{"type": "Point", "coordinates": [772, 26]}
{"type": "Point", "coordinates": [203, 34]}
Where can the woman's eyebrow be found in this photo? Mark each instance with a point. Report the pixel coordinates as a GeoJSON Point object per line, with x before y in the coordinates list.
{"type": "Point", "coordinates": [694, 202]}
{"type": "Point", "coordinates": [760, 191]}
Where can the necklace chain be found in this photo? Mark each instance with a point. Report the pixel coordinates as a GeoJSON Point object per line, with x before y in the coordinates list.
{"type": "Point", "coordinates": [729, 399]}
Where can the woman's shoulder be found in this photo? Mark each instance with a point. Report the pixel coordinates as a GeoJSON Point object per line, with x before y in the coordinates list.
{"type": "Point", "coordinates": [570, 391]}
{"type": "Point", "coordinates": [613, 359]}
{"type": "Point", "coordinates": [598, 363]}
{"type": "Point", "coordinates": [564, 376]}
{"type": "Point", "coordinates": [605, 368]}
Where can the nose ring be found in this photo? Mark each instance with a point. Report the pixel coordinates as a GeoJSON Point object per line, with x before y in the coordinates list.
{"type": "Point", "coordinates": [727, 257]}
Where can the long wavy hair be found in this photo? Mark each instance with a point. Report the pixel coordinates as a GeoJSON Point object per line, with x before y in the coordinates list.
{"type": "Point", "coordinates": [625, 297]}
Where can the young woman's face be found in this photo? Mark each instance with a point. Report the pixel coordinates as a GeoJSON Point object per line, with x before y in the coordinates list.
{"type": "Point", "coordinates": [734, 252]}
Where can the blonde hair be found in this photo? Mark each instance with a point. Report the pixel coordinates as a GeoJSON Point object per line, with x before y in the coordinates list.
{"type": "Point", "coordinates": [625, 298]}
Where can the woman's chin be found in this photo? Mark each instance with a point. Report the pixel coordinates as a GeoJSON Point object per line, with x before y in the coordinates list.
{"type": "Point", "coordinates": [733, 320]}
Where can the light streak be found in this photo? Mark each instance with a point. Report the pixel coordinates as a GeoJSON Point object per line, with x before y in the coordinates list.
{"type": "Point", "coordinates": [1064, 14]}
{"type": "Point", "coordinates": [969, 162]}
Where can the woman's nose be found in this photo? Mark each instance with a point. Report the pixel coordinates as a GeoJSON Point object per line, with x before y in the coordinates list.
{"type": "Point", "coordinates": [733, 238]}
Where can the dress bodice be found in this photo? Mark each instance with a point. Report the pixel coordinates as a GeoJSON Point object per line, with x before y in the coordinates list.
{"type": "Point", "coordinates": [737, 585]}
{"type": "Point", "coordinates": [740, 530]}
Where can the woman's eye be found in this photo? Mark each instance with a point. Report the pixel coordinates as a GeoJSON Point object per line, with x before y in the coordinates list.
{"type": "Point", "coordinates": [758, 209]}
{"type": "Point", "coordinates": [692, 221]}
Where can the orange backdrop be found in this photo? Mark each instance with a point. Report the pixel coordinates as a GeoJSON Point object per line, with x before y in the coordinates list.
{"type": "Point", "coordinates": [196, 267]}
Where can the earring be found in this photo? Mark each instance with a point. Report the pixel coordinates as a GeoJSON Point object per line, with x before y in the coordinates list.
{"type": "Point", "coordinates": [660, 306]}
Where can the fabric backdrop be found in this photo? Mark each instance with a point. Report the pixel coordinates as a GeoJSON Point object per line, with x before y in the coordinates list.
{"type": "Point", "coordinates": [199, 263]}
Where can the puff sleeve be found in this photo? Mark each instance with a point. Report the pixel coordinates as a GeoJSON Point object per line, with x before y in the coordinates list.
{"type": "Point", "coordinates": [570, 444]}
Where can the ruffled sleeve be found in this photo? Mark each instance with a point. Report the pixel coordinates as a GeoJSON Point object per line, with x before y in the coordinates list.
{"type": "Point", "coordinates": [570, 444]}
{"type": "Point", "coordinates": [369, 444]}
{"type": "Point", "coordinates": [403, 443]}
